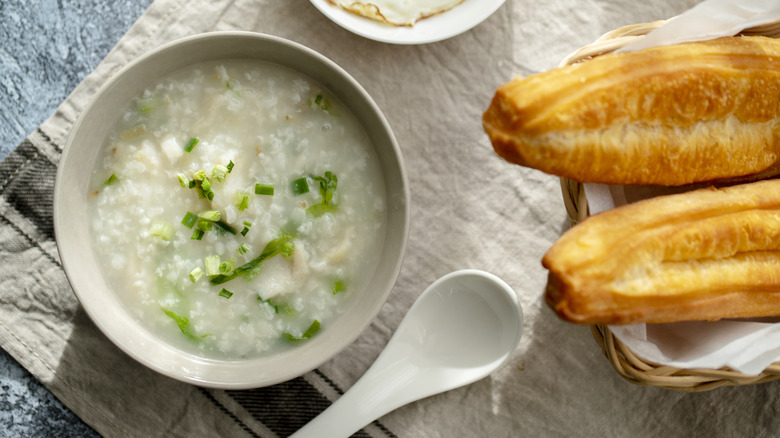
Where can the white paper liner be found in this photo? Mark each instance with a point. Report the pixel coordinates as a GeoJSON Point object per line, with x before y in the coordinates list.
{"type": "Point", "coordinates": [745, 346]}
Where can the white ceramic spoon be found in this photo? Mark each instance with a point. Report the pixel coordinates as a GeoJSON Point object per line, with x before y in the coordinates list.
{"type": "Point", "coordinates": [464, 326]}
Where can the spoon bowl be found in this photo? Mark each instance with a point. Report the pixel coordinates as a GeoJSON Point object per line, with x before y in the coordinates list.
{"type": "Point", "coordinates": [461, 328]}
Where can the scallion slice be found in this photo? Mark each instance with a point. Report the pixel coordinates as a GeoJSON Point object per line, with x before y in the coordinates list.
{"type": "Point", "coordinates": [183, 180]}
{"type": "Point", "coordinates": [230, 166]}
{"type": "Point", "coordinates": [111, 180]}
{"type": "Point", "coordinates": [300, 186]}
{"type": "Point", "coordinates": [225, 293]}
{"type": "Point", "coordinates": [210, 215]}
{"type": "Point", "coordinates": [204, 225]}
{"type": "Point", "coordinates": [189, 219]}
{"type": "Point", "coordinates": [338, 286]}
{"type": "Point", "coordinates": [163, 230]}
{"type": "Point", "coordinates": [311, 331]}
{"type": "Point", "coordinates": [212, 265]}
{"type": "Point", "coordinates": [243, 249]}
{"type": "Point", "coordinates": [197, 234]}
{"type": "Point", "coordinates": [219, 172]}
{"type": "Point", "coordinates": [242, 201]}
{"type": "Point", "coordinates": [246, 228]}
{"type": "Point", "coordinates": [226, 268]}
{"type": "Point", "coordinates": [196, 274]}
{"type": "Point", "coordinates": [222, 226]}
{"type": "Point", "coordinates": [191, 144]}
{"type": "Point", "coordinates": [268, 189]}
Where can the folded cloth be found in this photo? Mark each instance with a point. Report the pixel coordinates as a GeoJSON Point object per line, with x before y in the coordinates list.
{"type": "Point", "coordinates": [470, 209]}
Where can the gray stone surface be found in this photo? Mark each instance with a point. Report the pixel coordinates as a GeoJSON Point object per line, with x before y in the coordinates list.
{"type": "Point", "coordinates": [46, 49]}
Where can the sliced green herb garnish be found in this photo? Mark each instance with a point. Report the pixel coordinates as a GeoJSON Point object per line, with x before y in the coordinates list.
{"type": "Point", "coordinates": [222, 226]}
{"type": "Point", "coordinates": [189, 219]}
{"type": "Point", "coordinates": [183, 180]}
{"type": "Point", "coordinates": [271, 249]}
{"type": "Point", "coordinates": [300, 186]}
{"type": "Point", "coordinates": [204, 225]}
{"type": "Point", "coordinates": [197, 234]}
{"type": "Point", "coordinates": [111, 180]}
{"type": "Point", "coordinates": [196, 274]}
{"type": "Point", "coordinates": [321, 102]}
{"type": "Point", "coordinates": [230, 166]}
{"type": "Point", "coordinates": [268, 189]}
{"type": "Point", "coordinates": [212, 265]}
{"type": "Point", "coordinates": [162, 229]}
{"type": "Point", "coordinates": [191, 144]}
{"type": "Point", "coordinates": [226, 268]}
{"type": "Point", "coordinates": [181, 321]}
{"type": "Point", "coordinates": [242, 200]}
{"type": "Point", "coordinates": [219, 172]}
{"type": "Point", "coordinates": [338, 286]}
{"type": "Point", "coordinates": [246, 228]}
{"type": "Point", "coordinates": [145, 105]}
{"type": "Point", "coordinates": [225, 293]}
{"type": "Point", "coordinates": [311, 331]}
{"type": "Point", "coordinates": [210, 215]}
{"type": "Point", "coordinates": [243, 249]}
{"type": "Point", "coordinates": [328, 184]}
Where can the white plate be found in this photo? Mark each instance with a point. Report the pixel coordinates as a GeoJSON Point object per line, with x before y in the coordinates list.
{"type": "Point", "coordinates": [436, 28]}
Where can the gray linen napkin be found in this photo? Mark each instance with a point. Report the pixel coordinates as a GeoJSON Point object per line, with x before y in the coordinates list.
{"type": "Point", "coordinates": [470, 209]}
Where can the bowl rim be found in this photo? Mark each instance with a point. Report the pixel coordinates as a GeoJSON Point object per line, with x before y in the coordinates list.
{"type": "Point", "coordinates": [217, 373]}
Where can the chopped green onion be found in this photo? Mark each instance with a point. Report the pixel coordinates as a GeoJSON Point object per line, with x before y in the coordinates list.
{"type": "Point", "coordinates": [191, 144]}
{"type": "Point", "coordinates": [246, 228]}
{"type": "Point", "coordinates": [338, 286]}
{"type": "Point", "coordinates": [163, 230]}
{"type": "Point", "coordinates": [287, 249]}
{"type": "Point", "coordinates": [229, 166]}
{"type": "Point", "coordinates": [210, 215]}
{"type": "Point", "coordinates": [243, 249]}
{"type": "Point", "coordinates": [321, 102]}
{"type": "Point", "coordinates": [226, 268]}
{"type": "Point", "coordinates": [251, 268]}
{"type": "Point", "coordinates": [183, 180]}
{"type": "Point", "coordinates": [197, 234]}
{"type": "Point", "coordinates": [300, 186]}
{"type": "Point", "coordinates": [268, 189]}
{"type": "Point", "coordinates": [146, 105]}
{"type": "Point", "coordinates": [219, 172]}
{"type": "Point", "coordinates": [268, 301]}
{"type": "Point", "coordinates": [318, 210]}
{"type": "Point", "coordinates": [204, 225]}
{"type": "Point", "coordinates": [181, 321]}
{"type": "Point", "coordinates": [311, 331]}
{"type": "Point", "coordinates": [212, 265]}
{"type": "Point", "coordinates": [225, 293]}
{"type": "Point", "coordinates": [205, 184]}
{"type": "Point", "coordinates": [222, 226]}
{"type": "Point", "coordinates": [242, 200]}
{"type": "Point", "coordinates": [111, 180]}
{"type": "Point", "coordinates": [328, 184]}
{"type": "Point", "coordinates": [189, 220]}
{"type": "Point", "coordinates": [199, 175]}
{"type": "Point", "coordinates": [192, 184]}
{"type": "Point", "coordinates": [196, 274]}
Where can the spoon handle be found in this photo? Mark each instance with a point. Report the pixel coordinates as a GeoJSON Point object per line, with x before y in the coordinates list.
{"type": "Point", "coordinates": [383, 388]}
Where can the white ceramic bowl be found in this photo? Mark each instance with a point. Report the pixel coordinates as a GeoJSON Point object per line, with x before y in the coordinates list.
{"type": "Point", "coordinates": [73, 236]}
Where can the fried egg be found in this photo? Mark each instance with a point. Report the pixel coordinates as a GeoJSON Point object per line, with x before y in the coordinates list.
{"type": "Point", "coordinates": [397, 12]}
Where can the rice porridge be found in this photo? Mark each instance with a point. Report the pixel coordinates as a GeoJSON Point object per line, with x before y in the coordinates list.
{"type": "Point", "coordinates": [237, 208]}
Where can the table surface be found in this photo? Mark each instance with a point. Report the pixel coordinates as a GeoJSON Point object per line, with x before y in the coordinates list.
{"type": "Point", "coordinates": [47, 48]}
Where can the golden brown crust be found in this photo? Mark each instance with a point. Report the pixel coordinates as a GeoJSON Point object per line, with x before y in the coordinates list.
{"type": "Point", "coordinates": [668, 115]}
{"type": "Point", "coordinates": [702, 255]}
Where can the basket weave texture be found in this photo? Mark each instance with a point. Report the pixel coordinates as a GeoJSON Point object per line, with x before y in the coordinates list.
{"type": "Point", "coordinates": [630, 366]}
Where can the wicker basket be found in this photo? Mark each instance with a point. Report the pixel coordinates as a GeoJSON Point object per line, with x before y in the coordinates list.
{"type": "Point", "coordinates": [626, 363]}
